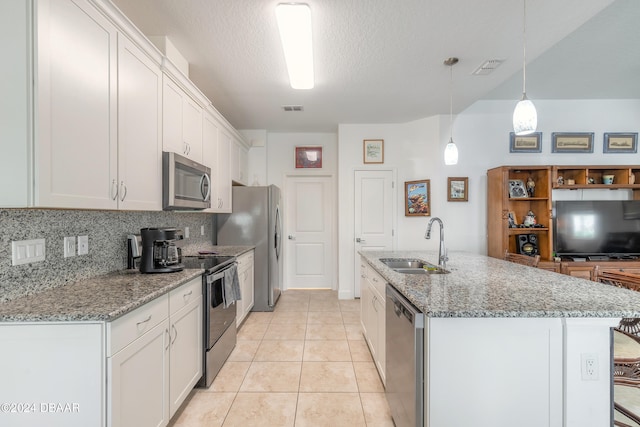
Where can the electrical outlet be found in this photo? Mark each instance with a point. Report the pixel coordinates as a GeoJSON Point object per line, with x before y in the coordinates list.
{"type": "Point", "coordinates": [83, 245]}
{"type": "Point", "coordinates": [186, 232]}
{"type": "Point", "coordinates": [69, 246]}
{"type": "Point", "coordinates": [589, 363]}
{"type": "Point", "coordinates": [27, 251]}
{"type": "Point", "coordinates": [202, 230]}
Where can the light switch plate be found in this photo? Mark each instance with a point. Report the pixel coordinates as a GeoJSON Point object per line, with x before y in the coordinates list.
{"type": "Point", "coordinates": [27, 251]}
{"type": "Point", "coordinates": [69, 246]}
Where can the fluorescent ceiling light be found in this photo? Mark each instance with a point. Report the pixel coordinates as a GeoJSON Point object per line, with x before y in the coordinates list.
{"type": "Point", "coordinates": [294, 22]}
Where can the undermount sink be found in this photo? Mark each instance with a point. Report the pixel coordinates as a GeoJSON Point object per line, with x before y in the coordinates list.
{"type": "Point", "coordinates": [412, 266]}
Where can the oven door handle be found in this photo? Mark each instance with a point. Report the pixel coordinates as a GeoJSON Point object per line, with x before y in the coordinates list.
{"type": "Point", "coordinates": [213, 277]}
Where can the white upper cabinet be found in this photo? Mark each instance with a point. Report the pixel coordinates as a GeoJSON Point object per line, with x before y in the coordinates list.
{"type": "Point", "coordinates": [88, 105]}
{"type": "Point", "coordinates": [75, 130]}
{"type": "Point", "coordinates": [181, 122]}
{"type": "Point", "coordinates": [239, 162]}
{"type": "Point", "coordinates": [139, 127]}
{"type": "Point", "coordinates": [223, 172]}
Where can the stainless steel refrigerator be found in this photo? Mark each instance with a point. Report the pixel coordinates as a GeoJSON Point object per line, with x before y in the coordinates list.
{"type": "Point", "coordinates": [256, 220]}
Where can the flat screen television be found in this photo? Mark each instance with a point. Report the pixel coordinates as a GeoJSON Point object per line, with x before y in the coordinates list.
{"type": "Point", "coordinates": [597, 228]}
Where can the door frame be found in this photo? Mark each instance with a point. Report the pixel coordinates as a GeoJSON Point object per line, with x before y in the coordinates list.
{"type": "Point", "coordinates": [355, 264]}
{"type": "Point", "coordinates": [333, 211]}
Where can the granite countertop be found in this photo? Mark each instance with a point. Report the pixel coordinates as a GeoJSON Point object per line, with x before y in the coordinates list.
{"type": "Point", "coordinates": [105, 297]}
{"type": "Point", "coordinates": [480, 286]}
{"type": "Point", "coordinates": [192, 250]}
{"type": "Point", "coordinates": [101, 298]}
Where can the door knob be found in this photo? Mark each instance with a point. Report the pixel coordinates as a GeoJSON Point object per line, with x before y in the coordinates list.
{"type": "Point", "coordinates": [359, 240]}
{"type": "Point", "coordinates": [292, 237]}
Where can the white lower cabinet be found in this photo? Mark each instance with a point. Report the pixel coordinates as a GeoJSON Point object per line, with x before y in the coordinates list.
{"type": "Point", "coordinates": [372, 314]}
{"type": "Point", "coordinates": [186, 352]}
{"type": "Point", "coordinates": [155, 358]}
{"type": "Point", "coordinates": [139, 381]}
{"type": "Point", "coordinates": [245, 277]}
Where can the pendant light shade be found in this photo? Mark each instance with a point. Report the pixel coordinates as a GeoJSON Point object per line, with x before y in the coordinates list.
{"type": "Point", "coordinates": [525, 116]}
{"type": "Point", "coordinates": [451, 151]}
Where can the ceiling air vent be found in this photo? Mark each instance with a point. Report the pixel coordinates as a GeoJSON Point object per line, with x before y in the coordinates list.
{"type": "Point", "coordinates": [487, 67]}
{"type": "Point", "coordinates": [292, 108]}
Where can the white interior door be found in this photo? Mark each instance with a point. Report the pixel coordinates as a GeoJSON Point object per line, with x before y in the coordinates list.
{"type": "Point", "coordinates": [374, 220]}
{"type": "Point", "coordinates": [309, 257]}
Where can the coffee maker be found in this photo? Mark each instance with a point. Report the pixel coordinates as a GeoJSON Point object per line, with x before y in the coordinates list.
{"type": "Point", "coordinates": [159, 251]}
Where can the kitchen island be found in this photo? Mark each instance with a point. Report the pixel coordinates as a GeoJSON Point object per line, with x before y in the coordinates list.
{"type": "Point", "coordinates": [505, 344]}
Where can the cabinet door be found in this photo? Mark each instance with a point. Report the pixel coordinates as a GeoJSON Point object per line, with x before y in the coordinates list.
{"type": "Point", "coordinates": [224, 171]}
{"type": "Point", "coordinates": [235, 161]}
{"type": "Point", "coordinates": [244, 166]}
{"type": "Point", "coordinates": [192, 128]}
{"type": "Point", "coordinates": [186, 355]}
{"type": "Point", "coordinates": [172, 117]}
{"type": "Point", "coordinates": [139, 145]}
{"type": "Point", "coordinates": [210, 156]}
{"type": "Point", "coordinates": [76, 108]}
{"type": "Point", "coordinates": [379, 306]}
{"type": "Point", "coordinates": [138, 394]}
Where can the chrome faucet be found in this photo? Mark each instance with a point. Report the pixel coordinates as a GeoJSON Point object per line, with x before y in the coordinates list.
{"type": "Point", "coordinates": [442, 252]}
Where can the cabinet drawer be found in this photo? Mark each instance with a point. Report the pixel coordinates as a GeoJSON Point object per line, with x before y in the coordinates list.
{"type": "Point", "coordinates": [185, 294]}
{"type": "Point", "coordinates": [123, 331]}
{"type": "Point", "coordinates": [245, 261]}
{"type": "Point", "coordinates": [377, 281]}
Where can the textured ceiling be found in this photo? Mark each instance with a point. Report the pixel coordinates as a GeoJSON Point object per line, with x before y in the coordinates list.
{"type": "Point", "coordinates": [382, 61]}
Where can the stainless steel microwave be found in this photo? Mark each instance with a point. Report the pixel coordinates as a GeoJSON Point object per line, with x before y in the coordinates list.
{"type": "Point", "coordinates": [185, 184]}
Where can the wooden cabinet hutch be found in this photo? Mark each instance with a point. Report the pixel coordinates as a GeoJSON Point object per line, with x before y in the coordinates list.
{"type": "Point", "coordinates": [503, 210]}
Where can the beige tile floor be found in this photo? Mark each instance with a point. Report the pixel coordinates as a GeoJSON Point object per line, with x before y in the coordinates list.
{"type": "Point", "coordinates": [305, 364]}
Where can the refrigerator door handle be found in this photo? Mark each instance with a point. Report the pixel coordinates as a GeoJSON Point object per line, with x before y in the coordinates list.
{"type": "Point", "coordinates": [278, 227]}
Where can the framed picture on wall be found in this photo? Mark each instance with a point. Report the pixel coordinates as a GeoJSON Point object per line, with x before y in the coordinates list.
{"type": "Point", "coordinates": [373, 151]}
{"type": "Point", "coordinates": [308, 157]}
{"type": "Point", "coordinates": [563, 142]}
{"type": "Point", "coordinates": [620, 142]}
{"type": "Point", "coordinates": [417, 198]}
{"type": "Point", "coordinates": [457, 189]}
{"type": "Point", "coordinates": [526, 143]}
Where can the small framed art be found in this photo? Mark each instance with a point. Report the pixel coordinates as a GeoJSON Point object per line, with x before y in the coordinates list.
{"type": "Point", "coordinates": [308, 157]}
{"type": "Point", "coordinates": [562, 142]}
{"type": "Point", "coordinates": [417, 198]}
{"type": "Point", "coordinates": [373, 150]}
{"type": "Point", "coordinates": [457, 189]}
{"type": "Point", "coordinates": [526, 143]}
{"type": "Point", "coordinates": [620, 143]}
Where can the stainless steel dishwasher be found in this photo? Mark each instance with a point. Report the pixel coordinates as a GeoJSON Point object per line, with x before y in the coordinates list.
{"type": "Point", "coordinates": [405, 360]}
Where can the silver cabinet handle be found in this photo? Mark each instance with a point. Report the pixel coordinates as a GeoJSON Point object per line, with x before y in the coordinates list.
{"type": "Point", "coordinates": [144, 321]}
{"type": "Point", "coordinates": [176, 336]}
{"type": "Point", "coordinates": [114, 185]}
{"type": "Point", "coordinates": [124, 192]}
{"type": "Point", "coordinates": [185, 296]}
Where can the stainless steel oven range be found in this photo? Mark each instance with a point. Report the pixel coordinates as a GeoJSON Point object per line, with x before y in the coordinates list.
{"type": "Point", "coordinates": [219, 315]}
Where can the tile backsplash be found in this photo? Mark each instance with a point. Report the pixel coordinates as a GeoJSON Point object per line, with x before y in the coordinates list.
{"type": "Point", "coordinates": [107, 231]}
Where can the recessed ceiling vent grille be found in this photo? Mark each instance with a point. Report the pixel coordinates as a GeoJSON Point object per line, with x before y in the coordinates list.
{"type": "Point", "coordinates": [487, 67]}
{"type": "Point", "coordinates": [292, 108]}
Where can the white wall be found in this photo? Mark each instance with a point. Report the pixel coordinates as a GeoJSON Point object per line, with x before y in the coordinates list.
{"type": "Point", "coordinates": [281, 154]}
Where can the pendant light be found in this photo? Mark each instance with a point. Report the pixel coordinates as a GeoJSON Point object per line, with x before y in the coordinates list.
{"type": "Point", "coordinates": [525, 117]}
{"type": "Point", "coordinates": [451, 151]}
